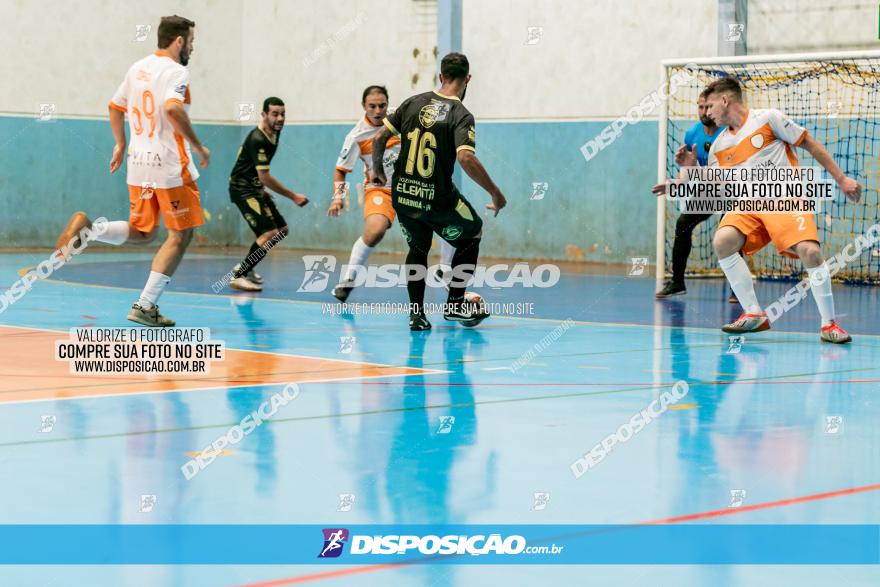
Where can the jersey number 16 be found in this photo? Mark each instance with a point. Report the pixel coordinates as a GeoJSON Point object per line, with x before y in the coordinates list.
{"type": "Point", "coordinates": [424, 161]}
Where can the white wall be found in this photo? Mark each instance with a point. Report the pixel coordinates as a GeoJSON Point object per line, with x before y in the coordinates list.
{"type": "Point", "coordinates": [795, 26]}
{"type": "Point", "coordinates": [74, 54]}
{"type": "Point", "coordinates": [595, 59]}
{"type": "Point", "coordinates": [319, 56]}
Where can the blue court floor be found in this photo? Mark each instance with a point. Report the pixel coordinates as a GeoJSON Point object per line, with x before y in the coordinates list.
{"type": "Point", "coordinates": [785, 424]}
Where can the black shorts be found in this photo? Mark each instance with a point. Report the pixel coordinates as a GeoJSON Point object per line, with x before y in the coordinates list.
{"type": "Point", "coordinates": [258, 210]}
{"type": "Point", "coordinates": [454, 224]}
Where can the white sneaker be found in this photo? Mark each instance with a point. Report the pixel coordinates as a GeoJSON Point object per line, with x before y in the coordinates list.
{"type": "Point", "coordinates": [245, 284]}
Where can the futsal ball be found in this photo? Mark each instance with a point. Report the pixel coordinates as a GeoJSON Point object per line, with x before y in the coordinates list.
{"type": "Point", "coordinates": [473, 298]}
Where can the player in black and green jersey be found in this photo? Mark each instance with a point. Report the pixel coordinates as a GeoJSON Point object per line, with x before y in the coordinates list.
{"type": "Point", "coordinates": [247, 189]}
{"type": "Point", "coordinates": [436, 130]}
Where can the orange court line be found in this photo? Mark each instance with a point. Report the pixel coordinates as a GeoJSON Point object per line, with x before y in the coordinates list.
{"type": "Point", "coordinates": [357, 570]}
{"type": "Point", "coordinates": [31, 373]}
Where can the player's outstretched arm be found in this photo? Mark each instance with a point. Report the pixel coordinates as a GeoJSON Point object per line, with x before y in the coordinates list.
{"type": "Point", "coordinates": [379, 142]}
{"type": "Point", "coordinates": [684, 157]}
{"type": "Point", "coordinates": [117, 125]}
{"type": "Point", "coordinates": [848, 185]}
{"type": "Point", "coordinates": [182, 126]}
{"type": "Point", "coordinates": [276, 186]}
{"type": "Point", "coordinates": [338, 193]}
{"type": "Point", "coordinates": [475, 170]}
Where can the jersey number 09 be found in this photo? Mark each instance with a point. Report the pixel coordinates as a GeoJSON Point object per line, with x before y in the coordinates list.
{"type": "Point", "coordinates": [424, 160]}
{"type": "Point", "coordinates": [149, 108]}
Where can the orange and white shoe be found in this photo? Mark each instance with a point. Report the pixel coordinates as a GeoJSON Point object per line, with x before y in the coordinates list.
{"type": "Point", "coordinates": [748, 323]}
{"type": "Point", "coordinates": [834, 334]}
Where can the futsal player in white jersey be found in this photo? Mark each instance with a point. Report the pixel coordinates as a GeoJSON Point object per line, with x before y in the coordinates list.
{"type": "Point", "coordinates": [161, 174]}
{"type": "Point", "coordinates": [378, 212]}
{"type": "Point", "coordinates": [766, 138]}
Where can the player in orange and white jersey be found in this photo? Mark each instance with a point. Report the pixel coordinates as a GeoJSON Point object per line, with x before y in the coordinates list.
{"type": "Point", "coordinates": [161, 174]}
{"type": "Point", "coordinates": [378, 212]}
{"type": "Point", "coordinates": [767, 138]}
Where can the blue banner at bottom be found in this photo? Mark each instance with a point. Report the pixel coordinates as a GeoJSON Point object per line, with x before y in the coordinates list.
{"type": "Point", "coordinates": [441, 544]}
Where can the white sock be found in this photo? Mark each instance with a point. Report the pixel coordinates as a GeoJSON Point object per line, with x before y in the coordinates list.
{"type": "Point", "coordinates": [116, 233]}
{"type": "Point", "coordinates": [156, 282]}
{"type": "Point", "coordinates": [740, 279]}
{"type": "Point", "coordinates": [447, 251]}
{"type": "Point", "coordinates": [820, 284]}
{"type": "Point", "coordinates": [360, 252]}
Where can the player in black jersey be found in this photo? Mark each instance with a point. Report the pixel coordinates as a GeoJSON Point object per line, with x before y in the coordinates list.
{"type": "Point", "coordinates": [250, 176]}
{"type": "Point", "coordinates": [436, 130]}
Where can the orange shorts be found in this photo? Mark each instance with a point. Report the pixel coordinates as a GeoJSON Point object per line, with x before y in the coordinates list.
{"type": "Point", "coordinates": [377, 200]}
{"type": "Point", "coordinates": [783, 230]}
{"type": "Point", "coordinates": [181, 207]}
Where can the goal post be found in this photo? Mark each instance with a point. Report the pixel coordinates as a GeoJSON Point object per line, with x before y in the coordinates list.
{"type": "Point", "coordinates": [835, 96]}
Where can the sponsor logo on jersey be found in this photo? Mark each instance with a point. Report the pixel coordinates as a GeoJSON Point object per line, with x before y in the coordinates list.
{"type": "Point", "coordinates": [451, 233]}
{"type": "Point", "coordinates": [434, 112]}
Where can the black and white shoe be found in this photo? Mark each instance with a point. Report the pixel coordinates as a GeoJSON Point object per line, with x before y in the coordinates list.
{"type": "Point", "coordinates": [343, 290]}
{"type": "Point", "coordinates": [671, 288]}
{"type": "Point", "coordinates": [252, 276]}
{"type": "Point", "coordinates": [419, 322]}
{"type": "Point", "coordinates": [467, 313]}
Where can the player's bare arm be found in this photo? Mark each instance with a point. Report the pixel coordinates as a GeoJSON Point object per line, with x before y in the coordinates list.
{"type": "Point", "coordinates": [276, 186]}
{"type": "Point", "coordinates": [848, 185]}
{"type": "Point", "coordinates": [183, 126]}
{"type": "Point", "coordinates": [336, 201]}
{"type": "Point", "coordinates": [117, 125]}
{"type": "Point", "coordinates": [379, 142]}
{"type": "Point", "coordinates": [475, 170]}
{"type": "Point", "coordinates": [684, 157]}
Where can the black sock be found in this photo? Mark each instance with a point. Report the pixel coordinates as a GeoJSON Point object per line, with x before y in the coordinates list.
{"type": "Point", "coordinates": [256, 254]}
{"type": "Point", "coordinates": [463, 264]}
{"type": "Point", "coordinates": [681, 246]}
{"type": "Point", "coordinates": [416, 287]}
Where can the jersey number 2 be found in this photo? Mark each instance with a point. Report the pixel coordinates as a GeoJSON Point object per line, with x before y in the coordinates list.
{"type": "Point", "coordinates": [424, 160]}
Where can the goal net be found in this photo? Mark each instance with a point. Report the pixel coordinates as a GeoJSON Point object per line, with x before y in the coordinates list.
{"type": "Point", "coordinates": [836, 98]}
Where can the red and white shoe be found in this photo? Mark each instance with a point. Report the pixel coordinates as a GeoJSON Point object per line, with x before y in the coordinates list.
{"type": "Point", "coordinates": [834, 334]}
{"type": "Point", "coordinates": [748, 323]}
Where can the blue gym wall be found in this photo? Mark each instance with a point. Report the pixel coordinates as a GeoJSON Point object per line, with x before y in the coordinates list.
{"type": "Point", "coordinates": [599, 210]}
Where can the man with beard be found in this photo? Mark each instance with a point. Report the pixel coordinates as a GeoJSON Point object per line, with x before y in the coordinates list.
{"type": "Point", "coordinates": [161, 174]}
{"type": "Point", "coordinates": [250, 176]}
{"type": "Point", "coordinates": [698, 138]}
{"type": "Point", "coordinates": [436, 130]}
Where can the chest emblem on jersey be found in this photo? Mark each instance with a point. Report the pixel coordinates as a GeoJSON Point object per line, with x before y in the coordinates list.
{"type": "Point", "coordinates": [757, 141]}
{"type": "Point", "coordinates": [707, 145]}
{"type": "Point", "coordinates": [433, 112]}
